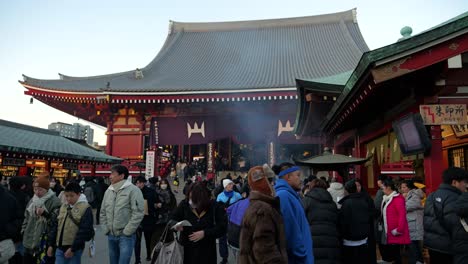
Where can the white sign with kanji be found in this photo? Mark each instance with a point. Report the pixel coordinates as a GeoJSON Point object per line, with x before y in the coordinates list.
{"type": "Point", "coordinates": [443, 114]}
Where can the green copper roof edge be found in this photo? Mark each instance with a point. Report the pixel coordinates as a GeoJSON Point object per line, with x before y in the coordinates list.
{"type": "Point", "coordinates": [58, 154]}
{"type": "Point", "coordinates": [372, 56]}
{"type": "Point", "coordinates": [337, 79]}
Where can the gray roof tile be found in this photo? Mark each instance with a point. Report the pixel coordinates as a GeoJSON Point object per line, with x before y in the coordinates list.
{"type": "Point", "coordinates": [21, 138]}
{"type": "Point", "coordinates": [237, 55]}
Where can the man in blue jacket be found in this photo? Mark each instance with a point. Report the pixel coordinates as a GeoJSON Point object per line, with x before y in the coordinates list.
{"type": "Point", "coordinates": [299, 240]}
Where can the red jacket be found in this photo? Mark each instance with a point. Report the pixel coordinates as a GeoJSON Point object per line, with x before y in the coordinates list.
{"type": "Point", "coordinates": [395, 214]}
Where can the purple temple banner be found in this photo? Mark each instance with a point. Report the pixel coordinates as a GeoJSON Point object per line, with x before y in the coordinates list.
{"type": "Point", "coordinates": [246, 129]}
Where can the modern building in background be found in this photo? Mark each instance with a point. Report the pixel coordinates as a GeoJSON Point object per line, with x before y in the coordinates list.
{"type": "Point", "coordinates": [76, 131]}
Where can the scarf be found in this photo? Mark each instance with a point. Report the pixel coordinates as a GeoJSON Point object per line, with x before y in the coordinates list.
{"type": "Point", "coordinates": [37, 202]}
{"type": "Point", "coordinates": [228, 194]}
{"type": "Point", "coordinates": [387, 199]}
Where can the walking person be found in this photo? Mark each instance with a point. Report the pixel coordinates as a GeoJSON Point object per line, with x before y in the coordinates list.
{"type": "Point", "coordinates": [262, 237]}
{"type": "Point", "coordinates": [165, 203]}
{"type": "Point", "coordinates": [440, 217]}
{"type": "Point", "coordinates": [460, 231]}
{"type": "Point", "coordinates": [298, 238]}
{"type": "Point", "coordinates": [74, 227]}
{"type": "Point", "coordinates": [41, 210]}
{"type": "Point", "coordinates": [322, 215]}
{"type": "Point", "coordinates": [414, 215]}
{"type": "Point", "coordinates": [354, 224]}
{"type": "Point", "coordinates": [227, 197]}
{"type": "Point", "coordinates": [102, 188]}
{"type": "Point", "coordinates": [208, 220]}
{"type": "Point", "coordinates": [121, 214]}
{"type": "Point", "coordinates": [10, 222]}
{"type": "Point", "coordinates": [395, 225]}
{"type": "Point", "coordinates": [146, 227]}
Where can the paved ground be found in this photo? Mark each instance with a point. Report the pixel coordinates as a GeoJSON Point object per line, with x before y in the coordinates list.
{"type": "Point", "coordinates": [102, 256]}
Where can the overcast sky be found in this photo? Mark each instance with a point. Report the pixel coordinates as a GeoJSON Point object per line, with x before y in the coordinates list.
{"type": "Point", "coordinates": [82, 38]}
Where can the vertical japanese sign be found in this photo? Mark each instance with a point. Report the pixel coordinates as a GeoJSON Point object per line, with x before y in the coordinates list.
{"type": "Point", "coordinates": [443, 114]}
{"type": "Point", "coordinates": [150, 155]}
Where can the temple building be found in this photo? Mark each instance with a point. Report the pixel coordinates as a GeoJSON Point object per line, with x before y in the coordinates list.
{"type": "Point", "coordinates": [404, 106]}
{"type": "Point", "coordinates": [214, 87]}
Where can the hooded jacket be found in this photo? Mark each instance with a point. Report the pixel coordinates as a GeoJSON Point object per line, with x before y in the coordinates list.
{"type": "Point", "coordinates": [322, 215]}
{"type": "Point", "coordinates": [262, 236]}
{"type": "Point", "coordinates": [415, 214]}
{"type": "Point", "coordinates": [336, 191]}
{"type": "Point", "coordinates": [440, 218]}
{"type": "Point", "coordinates": [459, 234]}
{"type": "Point", "coordinates": [394, 217]}
{"type": "Point", "coordinates": [299, 241]}
{"type": "Point", "coordinates": [122, 210]}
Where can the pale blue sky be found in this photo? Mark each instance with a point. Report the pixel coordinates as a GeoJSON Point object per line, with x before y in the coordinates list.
{"type": "Point", "coordinates": [42, 38]}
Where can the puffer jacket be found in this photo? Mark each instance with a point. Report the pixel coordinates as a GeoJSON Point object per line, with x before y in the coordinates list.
{"type": "Point", "coordinates": [122, 210]}
{"type": "Point", "coordinates": [262, 237]}
{"type": "Point", "coordinates": [459, 234]}
{"type": "Point", "coordinates": [440, 218]}
{"type": "Point", "coordinates": [415, 214]}
{"type": "Point", "coordinates": [336, 191]}
{"type": "Point", "coordinates": [35, 227]}
{"type": "Point", "coordinates": [322, 214]}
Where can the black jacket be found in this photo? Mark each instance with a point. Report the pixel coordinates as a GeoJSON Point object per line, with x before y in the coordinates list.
{"type": "Point", "coordinates": [440, 218]}
{"type": "Point", "coordinates": [150, 196]}
{"type": "Point", "coordinates": [354, 217]}
{"type": "Point", "coordinates": [10, 217]}
{"type": "Point", "coordinates": [213, 222]}
{"type": "Point", "coordinates": [459, 234]}
{"type": "Point", "coordinates": [322, 215]}
{"type": "Point", "coordinates": [85, 232]}
{"type": "Point", "coordinates": [23, 199]}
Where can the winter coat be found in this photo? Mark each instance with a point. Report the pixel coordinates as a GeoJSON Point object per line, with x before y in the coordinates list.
{"type": "Point", "coordinates": [440, 218]}
{"type": "Point", "coordinates": [336, 191]}
{"type": "Point", "coordinates": [415, 214]}
{"type": "Point", "coordinates": [34, 227]}
{"type": "Point", "coordinates": [378, 202]}
{"type": "Point", "coordinates": [235, 214]}
{"type": "Point", "coordinates": [459, 234]}
{"type": "Point", "coordinates": [122, 210]}
{"type": "Point", "coordinates": [223, 198]}
{"type": "Point", "coordinates": [394, 217]}
{"type": "Point", "coordinates": [298, 238]}
{"type": "Point", "coordinates": [354, 218]}
{"type": "Point", "coordinates": [65, 230]}
{"type": "Point", "coordinates": [10, 216]}
{"type": "Point", "coordinates": [23, 199]}
{"type": "Point", "coordinates": [213, 222]}
{"type": "Point", "coordinates": [149, 195]}
{"type": "Point", "coordinates": [322, 214]}
{"type": "Point", "coordinates": [262, 237]}
{"type": "Point", "coordinates": [168, 202]}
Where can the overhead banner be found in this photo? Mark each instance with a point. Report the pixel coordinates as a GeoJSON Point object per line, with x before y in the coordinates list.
{"type": "Point", "coordinates": [246, 129]}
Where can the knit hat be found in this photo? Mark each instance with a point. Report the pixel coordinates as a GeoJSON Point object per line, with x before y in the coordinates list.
{"type": "Point", "coordinates": [258, 181]}
{"type": "Point", "coordinates": [42, 181]}
{"type": "Point", "coordinates": [226, 182]}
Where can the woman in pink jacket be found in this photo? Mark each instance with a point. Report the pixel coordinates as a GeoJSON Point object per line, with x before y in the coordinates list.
{"type": "Point", "coordinates": [395, 225]}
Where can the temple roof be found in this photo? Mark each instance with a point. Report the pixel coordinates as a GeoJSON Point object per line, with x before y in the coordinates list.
{"type": "Point", "coordinates": [235, 56]}
{"type": "Point", "coordinates": [25, 139]}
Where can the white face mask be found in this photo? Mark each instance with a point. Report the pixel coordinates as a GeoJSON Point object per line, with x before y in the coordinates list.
{"type": "Point", "coordinates": [164, 186]}
{"type": "Point", "coordinates": [191, 204]}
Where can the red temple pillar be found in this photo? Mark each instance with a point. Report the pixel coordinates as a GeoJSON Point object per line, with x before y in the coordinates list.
{"type": "Point", "coordinates": [433, 164]}
{"type": "Point", "coordinates": [109, 138]}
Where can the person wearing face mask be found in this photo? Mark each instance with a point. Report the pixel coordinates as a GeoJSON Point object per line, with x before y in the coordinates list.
{"type": "Point", "coordinates": [298, 237]}
{"type": "Point", "coordinates": [208, 220]}
{"type": "Point", "coordinates": [55, 186]}
{"type": "Point", "coordinates": [165, 203]}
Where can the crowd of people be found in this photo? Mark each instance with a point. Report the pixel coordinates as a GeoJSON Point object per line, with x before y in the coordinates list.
{"type": "Point", "coordinates": [270, 215]}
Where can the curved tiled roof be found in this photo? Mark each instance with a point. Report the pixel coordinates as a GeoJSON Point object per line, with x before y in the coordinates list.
{"type": "Point", "coordinates": [21, 138]}
{"type": "Point", "coordinates": [228, 56]}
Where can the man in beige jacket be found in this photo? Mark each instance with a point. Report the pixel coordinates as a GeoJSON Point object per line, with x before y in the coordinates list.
{"type": "Point", "coordinates": [121, 214]}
